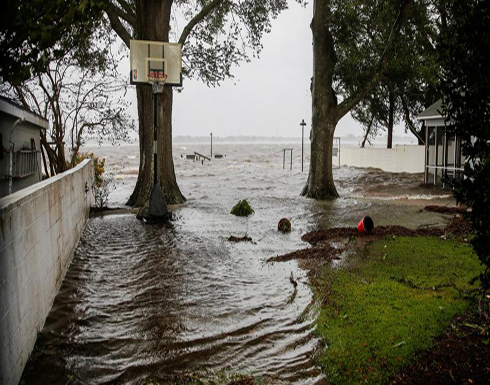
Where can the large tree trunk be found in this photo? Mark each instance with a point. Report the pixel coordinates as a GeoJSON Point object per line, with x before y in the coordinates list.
{"type": "Point", "coordinates": [153, 24]}
{"type": "Point", "coordinates": [320, 183]}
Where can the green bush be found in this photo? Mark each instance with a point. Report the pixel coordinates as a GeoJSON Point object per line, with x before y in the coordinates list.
{"type": "Point", "coordinates": [242, 209]}
{"type": "Point", "coordinates": [103, 185]}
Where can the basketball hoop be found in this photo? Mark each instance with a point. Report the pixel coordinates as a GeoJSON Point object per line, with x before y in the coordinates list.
{"type": "Point", "coordinates": [157, 80]}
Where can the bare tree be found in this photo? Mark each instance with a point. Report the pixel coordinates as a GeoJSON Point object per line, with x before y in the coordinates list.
{"type": "Point", "coordinates": [79, 103]}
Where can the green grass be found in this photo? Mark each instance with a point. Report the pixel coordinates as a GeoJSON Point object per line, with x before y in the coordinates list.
{"type": "Point", "coordinates": [390, 303]}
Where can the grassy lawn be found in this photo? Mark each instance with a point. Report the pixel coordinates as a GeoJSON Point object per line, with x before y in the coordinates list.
{"type": "Point", "coordinates": [383, 306]}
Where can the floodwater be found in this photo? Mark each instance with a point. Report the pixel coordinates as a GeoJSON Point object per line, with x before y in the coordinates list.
{"type": "Point", "coordinates": [150, 302]}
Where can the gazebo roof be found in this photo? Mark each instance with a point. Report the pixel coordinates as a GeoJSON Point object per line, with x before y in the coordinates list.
{"type": "Point", "coordinates": [432, 112]}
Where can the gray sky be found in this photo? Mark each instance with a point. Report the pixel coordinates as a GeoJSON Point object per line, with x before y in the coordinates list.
{"type": "Point", "coordinates": [268, 96]}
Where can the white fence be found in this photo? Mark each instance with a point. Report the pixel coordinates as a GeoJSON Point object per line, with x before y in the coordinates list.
{"type": "Point", "coordinates": [40, 227]}
{"type": "Point", "coordinates": [401, 158]}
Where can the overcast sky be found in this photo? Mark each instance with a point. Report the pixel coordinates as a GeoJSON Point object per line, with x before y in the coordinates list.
{"type": "Point", "coordinates": [268, 96]}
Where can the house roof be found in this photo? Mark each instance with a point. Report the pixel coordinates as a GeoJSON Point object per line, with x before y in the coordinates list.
{"type": "Point", "coordinates": [11, 108]}
{"type": "Point", "coordinates": [432, 112]}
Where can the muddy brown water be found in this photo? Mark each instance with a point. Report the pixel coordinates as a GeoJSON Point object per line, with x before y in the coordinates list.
{"type": "Point", "coordinates": [150, 302]}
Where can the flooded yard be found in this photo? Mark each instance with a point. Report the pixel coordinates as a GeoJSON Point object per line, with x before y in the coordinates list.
{"type": "Point", "coordinates": [150, 302]}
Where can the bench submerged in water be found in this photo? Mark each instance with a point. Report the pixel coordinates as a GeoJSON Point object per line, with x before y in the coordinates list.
{"type": "Point", "coordinates": [198, 156]}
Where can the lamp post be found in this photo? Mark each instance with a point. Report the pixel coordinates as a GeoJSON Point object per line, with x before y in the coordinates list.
{"type": "Point", "coordinates": [302, 124]}
{"type": "Point", "coordinates": [211, 145]}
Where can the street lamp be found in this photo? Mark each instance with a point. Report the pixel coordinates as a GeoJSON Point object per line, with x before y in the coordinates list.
{"type": "Point", "coordinates": [302, 124]}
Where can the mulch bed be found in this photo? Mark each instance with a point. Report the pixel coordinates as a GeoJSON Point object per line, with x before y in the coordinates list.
{"type": "Point", "coordinates": [323, 251]}
{"type": "Point", "coordinates": [445, 209]}
{"type": "Point", "coordinates": [337, 233]}
{"type": "Point", "coordinates": [460, 356]}
{"type": "Point", "coordinates": [459, 227]}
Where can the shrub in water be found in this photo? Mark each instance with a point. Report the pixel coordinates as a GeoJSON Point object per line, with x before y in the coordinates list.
{"type": "Point", "coordinates": [242, 209]}
{"type": "Point", "coordinates": [102, 186]}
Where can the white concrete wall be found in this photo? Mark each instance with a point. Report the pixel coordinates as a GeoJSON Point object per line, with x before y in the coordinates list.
{"type": "Point", "coordinates": [40, 227]}
{"type": "Point", "coordinates": [402, 158]}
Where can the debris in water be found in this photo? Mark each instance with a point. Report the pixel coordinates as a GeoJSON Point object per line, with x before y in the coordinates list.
{"type": "Point", "coordinates": [366, 225]}
{"type": "Point", "coordinates": [284, 225]}
{"type": "Point", "coordinates": [245, 238]}
{"type": "Point", "coordinates": [295, 284]}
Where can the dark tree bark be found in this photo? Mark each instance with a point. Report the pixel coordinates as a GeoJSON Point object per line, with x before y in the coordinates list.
{"type": "Point", "coordinates": [391, 113]}
{"type": "Point", "coordinates": [406, 114]}
{"type": "Point", "coordinates": [152, 23]}
{"type": "Point", "coordinates": [320, 184]}
{"type": "Point", "coordinates": [326, 112]}
{"type": "Point", "coordinates": [368, 130]}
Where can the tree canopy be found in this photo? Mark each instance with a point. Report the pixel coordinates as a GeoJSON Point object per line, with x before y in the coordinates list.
{"type": "Point", "coordinates": [35, 32]}
{"type": "Point", "coordinates": [465, 85]}
{"type": "Point", "coordinates": [409, 84]}
{"type": "Point", "coordinates": [217, 34]}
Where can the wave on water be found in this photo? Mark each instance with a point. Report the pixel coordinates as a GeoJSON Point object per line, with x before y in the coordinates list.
{"type": "Point", "coordinates": [128, 171]}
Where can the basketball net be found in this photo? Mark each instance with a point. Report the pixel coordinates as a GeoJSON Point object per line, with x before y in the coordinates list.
{"type": "Point", "coordinates": [157, 81]}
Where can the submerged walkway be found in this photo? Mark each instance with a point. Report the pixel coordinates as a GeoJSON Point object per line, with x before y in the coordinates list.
{"type": "Point", "coordinates": [146, 302]}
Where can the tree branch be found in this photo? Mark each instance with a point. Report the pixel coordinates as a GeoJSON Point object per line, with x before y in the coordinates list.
{"type": "Point", "coordinates": [198, 18]}
{"type": "Point", "coordinates": [368, 130]}
{"type": "Point", "coordinates": [123, 14]}
{"type": "Point", "coordinates": [411, 126]}
{"type": "Point", "coordinates": [117, 25]}
{"type": "Point", "coordinates": [349, 103]}
{"type": "Point", "coordinates": [128, 9]}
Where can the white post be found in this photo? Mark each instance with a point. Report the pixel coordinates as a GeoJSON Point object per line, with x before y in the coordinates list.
{"type": "Point", "coordinates": [11, 142]}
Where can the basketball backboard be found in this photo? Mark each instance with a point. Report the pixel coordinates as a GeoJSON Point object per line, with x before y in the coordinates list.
{"type": "Point", "coordinates": [155, 57]}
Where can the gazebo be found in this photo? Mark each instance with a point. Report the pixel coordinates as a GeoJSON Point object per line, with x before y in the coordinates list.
{"type": "Point", "coordinates": [443, 157]}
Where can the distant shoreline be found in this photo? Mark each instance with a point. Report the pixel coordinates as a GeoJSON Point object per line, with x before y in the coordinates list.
{"type": "Point", "coordinates": [350, 140]}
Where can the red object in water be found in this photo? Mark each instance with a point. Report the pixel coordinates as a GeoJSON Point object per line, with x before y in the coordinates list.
{"type": "Point", "coordinates": [366, 225]}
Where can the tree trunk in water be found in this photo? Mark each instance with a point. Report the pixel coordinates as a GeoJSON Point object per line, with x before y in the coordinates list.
{"type": "Point", "coordinates": [153, 24]}
{"type": "Point", "coordinates": [320, 183]}
{"type": "Point", "coordinates": [390, 120]}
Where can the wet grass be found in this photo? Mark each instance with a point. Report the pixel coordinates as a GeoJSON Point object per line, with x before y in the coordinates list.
{"type": "Point", "coordinates": [389, 303]}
